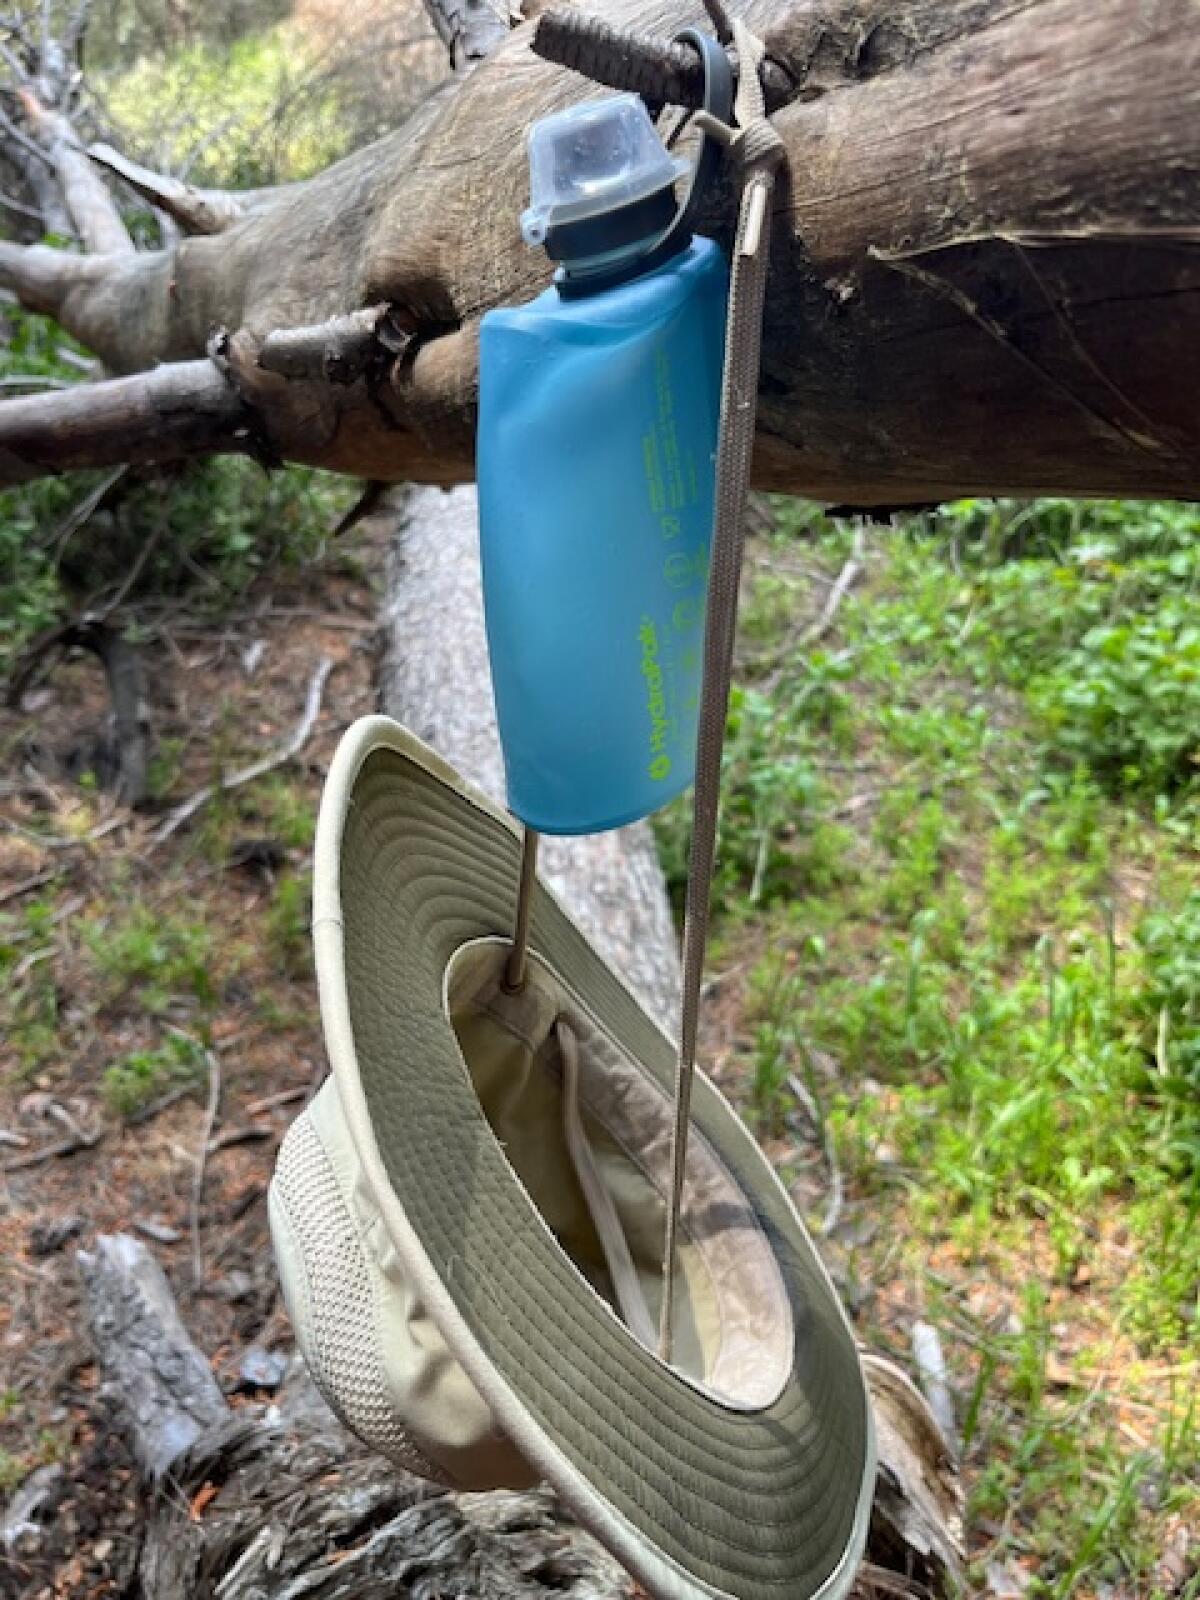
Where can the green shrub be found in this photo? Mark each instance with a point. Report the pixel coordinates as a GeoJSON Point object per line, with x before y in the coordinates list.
{"type": "Point", "coordinates": [165, 957]}
{"type": "Point", "coordinates": [201, 532]}
{"type": "Point", "coordinates": [131, 1084]}
{"type": "Point", "coordinates": [1127, 698]}
{"type": "Point", "coordinates": [1169, 1004]}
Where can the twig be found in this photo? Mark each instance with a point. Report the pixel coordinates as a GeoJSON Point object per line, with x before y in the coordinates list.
{"type": "Point", "coordinates": [837, 1187]}
{"type": "Point", "coordinates": [210, 1120]}
{"type": "Point", "coordinates": [29, 884]}
{"type": "Point", "coordinates": [257, 769]}
{"type": "Point", "coordinates": [31, 380]}
{"type": "Point", "coordinates": [157, 1107]}
{"type": "Point", "coordinates": [931, 1369]}
{"type": "Point", "coordinates": [250, 1133]}
{"type": "Point", "coordinates": [50, 1152]}
{"type": "Point", "coordinates": [272, 1102]}
{"type": "Point", "coordinates": [623, 59]}
{"type": "Point", "coordinates": [160, 1232]}
{"type": "Point", "coordinates": [851, 571]}
{"type": "Point", "coordinates": [7, 201]}
{"type": "Point", "coordinates": [846, 579]}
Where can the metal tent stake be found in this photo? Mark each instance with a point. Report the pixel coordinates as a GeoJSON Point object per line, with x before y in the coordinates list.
{"type": "Point", "coordinates": [514, 972]}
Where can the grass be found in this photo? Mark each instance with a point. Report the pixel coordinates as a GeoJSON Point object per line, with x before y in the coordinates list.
{"type": "Point", "coordinates": [132, 1084]}
{"type": "Point", "coordinates": [958, 854]}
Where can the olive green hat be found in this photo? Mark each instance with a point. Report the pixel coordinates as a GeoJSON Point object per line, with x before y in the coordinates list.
{"type": "Point", "coordinates": [469, 1221]}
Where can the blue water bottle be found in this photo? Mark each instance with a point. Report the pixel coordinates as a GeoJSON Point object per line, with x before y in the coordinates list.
{"type": "Point", "coordinates": [598, 412]}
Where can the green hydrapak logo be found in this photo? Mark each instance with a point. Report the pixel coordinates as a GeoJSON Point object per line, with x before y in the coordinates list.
{"type": "Point", "coordinates": [660, 762]}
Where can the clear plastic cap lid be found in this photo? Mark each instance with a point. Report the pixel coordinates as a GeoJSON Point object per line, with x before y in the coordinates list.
{"type": "Point", "coordinates": [591, 159]}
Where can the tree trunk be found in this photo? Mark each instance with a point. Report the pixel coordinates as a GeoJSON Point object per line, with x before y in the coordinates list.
{"type": "Point", "coordinates": [985, 261]}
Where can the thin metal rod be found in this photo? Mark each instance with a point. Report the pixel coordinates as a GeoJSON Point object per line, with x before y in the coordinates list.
{"type": "Point", "coordinates": [514, 972]}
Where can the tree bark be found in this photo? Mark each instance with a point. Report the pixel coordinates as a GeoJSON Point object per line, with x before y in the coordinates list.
{"type": "Point", "coordinates": [985, 263]}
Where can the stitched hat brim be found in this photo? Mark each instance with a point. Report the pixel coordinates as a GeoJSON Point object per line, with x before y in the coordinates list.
{"type": "Point", "coordinates": [694, 1497]}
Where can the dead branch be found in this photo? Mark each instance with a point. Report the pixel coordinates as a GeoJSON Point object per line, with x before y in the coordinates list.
{"type": "Point", "coordinates": [470, 29]}
{"type": "Point", "coordinates": [851, 571]}
{"type": "Point", "coordinates": [183, 410]}
{"type": "Point", "coordinates": [338, 351]}
{"type": "Point", "coordinates": [918, 1496]}
{"type": "Point", "coordinates": [257, 769]}
{"type": "Point", "coordinates": [132, 736]}
{"type": "Point", "coordinates": [53, 1152]}
{"type": "Point", "coordinates": [197, 211]}
{"type": "Point", "coordinates": [166, 1389]}
{"type": "Point", "coordinates": [622, 58]}
{"type": "Point", "coordinates": [1012, 305]}
{"type": "Point", "coordinates": [201, 1162]}
{"type": "Point", "coordinates": [291, 1491]}
{"type": "Point", "coordinates": [935, 1381]}
{"type": "Point", "coordinates": [92, 208]}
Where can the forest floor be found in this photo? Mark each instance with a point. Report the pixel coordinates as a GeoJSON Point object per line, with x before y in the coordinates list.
{"type": "Point", "coordinates": [141, 978]}
{"type": "Point", "coordinates": [931, 992]}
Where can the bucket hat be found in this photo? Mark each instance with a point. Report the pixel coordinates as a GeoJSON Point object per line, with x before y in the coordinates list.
{"type": "Point", "coordinates": [469, 1220]}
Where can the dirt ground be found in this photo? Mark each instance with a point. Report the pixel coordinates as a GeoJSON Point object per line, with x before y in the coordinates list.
{"type": "Point", "coordinates": [71, 1166]}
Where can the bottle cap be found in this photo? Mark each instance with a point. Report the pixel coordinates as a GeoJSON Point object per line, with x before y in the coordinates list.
{"type": "Point", "coordinates": [600, 179]}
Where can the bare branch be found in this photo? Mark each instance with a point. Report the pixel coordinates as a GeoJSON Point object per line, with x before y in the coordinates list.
{"type": "Point", "coordinates": [91, 205]}
{"type": "Point", "coordinates": [195, 210]}
{"type": "Point", "coordinates": [41, 277]}
{"type": "Point", "coordinates": [338, 351]}
{"type": "Point", "coordinates": [622, 59]}
{"type": "Point", "coordinates": [185, 409]}
{"type": "Point", "coordinates": [257, 769]}
{"type": "Point", "coordinates": [470, 29]}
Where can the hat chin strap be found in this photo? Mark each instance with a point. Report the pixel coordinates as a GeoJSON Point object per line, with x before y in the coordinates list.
{"type": "Point", "coordinates": [630, 1300]}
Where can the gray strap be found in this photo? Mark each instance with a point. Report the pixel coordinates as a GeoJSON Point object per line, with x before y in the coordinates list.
{"type": "Point", "coordinates": [759, 149]}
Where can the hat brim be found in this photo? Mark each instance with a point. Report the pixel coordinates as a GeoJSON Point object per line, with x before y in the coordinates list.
{"type": "Point", "coordinates": [695, 1497]}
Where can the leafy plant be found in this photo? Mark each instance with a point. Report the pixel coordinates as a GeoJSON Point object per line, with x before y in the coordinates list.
{"type": "Point", "coordinates": [164, 956]}
{"type": "Point", "coordinates": [1126, 698]}
{"type": "Point", "coordinates": [146, 1075]}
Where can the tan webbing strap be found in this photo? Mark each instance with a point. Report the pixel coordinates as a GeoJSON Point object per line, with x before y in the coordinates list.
{"type": "Point", "coordinates": [759, 151]}
{"type": "Point", "coordinates": [609, 1230]}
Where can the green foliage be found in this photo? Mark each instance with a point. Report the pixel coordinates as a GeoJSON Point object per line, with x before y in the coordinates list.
{"type": "Point", "coordinates": [32, 1019]}
{"type": "Point", "coordinates": [202, 532]}
{"type": "Point", "coordinates": [992, 1008]}
{"type": "Point", "coordinates": [146, 1075]}
{"type": "Point", "coordinates": [772, 842]}
{"type": "Point", "coordinates": [1126, 698]}
{"type": "Point", "coordinates": [164, 956]}
{"type": "Point", "coordinates": [1094, 610]}
{"type": "Point", "coordinates": [243, 115]}
{"type": "Point", "coordinates": [1170, 1003]}
{"type": "Point", "coordinates": [288, 924]}
{"type": "Point", "coordinates": [29, 589]}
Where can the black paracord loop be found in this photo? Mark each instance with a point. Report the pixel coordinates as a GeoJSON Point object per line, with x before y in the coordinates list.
{"type": "Point", "coordinates": [718, 106]}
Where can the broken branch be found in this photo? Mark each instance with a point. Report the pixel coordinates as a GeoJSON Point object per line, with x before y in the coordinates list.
{"type": "Point", "coordinates": [184, 409]}
{"type": "Point", "coordinates": [197, 211]}
{"type": "Point", "coordinates": [257, 769]}
{"type": "Point", "coordinates": [92, 207]}
{"type": "Point", "coordinates": [665, 73]}
{"type": "Point", "coordinates": [338, 351]}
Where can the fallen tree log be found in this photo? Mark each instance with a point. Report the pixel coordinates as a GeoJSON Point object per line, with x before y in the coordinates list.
{"type": "Point", "coordinates": [985, 259]}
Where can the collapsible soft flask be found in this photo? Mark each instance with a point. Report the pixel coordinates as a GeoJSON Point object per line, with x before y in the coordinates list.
{"type": "Point", "coordinates": [598, 413]}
